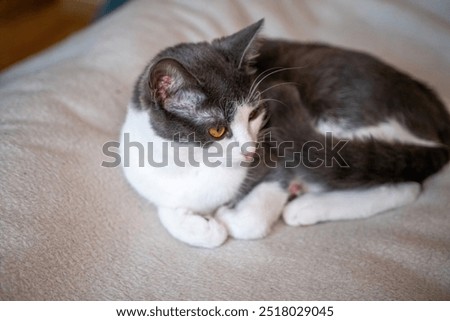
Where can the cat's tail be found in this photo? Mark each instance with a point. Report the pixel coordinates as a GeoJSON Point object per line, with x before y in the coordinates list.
{"type": "Point", "coordinates": [346, 164]}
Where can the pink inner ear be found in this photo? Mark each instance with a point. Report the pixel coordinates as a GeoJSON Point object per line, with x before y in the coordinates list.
{"type": "Point", "coordinates": [163, 84]}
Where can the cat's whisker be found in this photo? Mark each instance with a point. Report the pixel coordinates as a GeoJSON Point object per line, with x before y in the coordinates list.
{"type": "Point", "coordinates": [260, 100]}
{"type": "Point", "coordinates": [272, 99]}
{"type": "Point", "coordinates": [253, 88]}
{"type": "Point", "coordinates": [255, 98]}
{"type": "Point", "coordinates": [261, 75]}
{"type": "Point", "coordinates": [280, 84]}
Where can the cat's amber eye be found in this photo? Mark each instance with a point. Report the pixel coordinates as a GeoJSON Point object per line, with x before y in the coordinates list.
{"type": "Point", "coordinates": [217, 132]}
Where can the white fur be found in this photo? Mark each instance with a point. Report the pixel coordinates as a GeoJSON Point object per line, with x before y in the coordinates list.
{"type": "Point", "coordinates": [253, 217]}
{"type": "Point", "coordinates": [191, 228]}
{"type": "Point", "coordinates": [388, 131]}
{"type": "Point", "coordinates": [183, 193]}
{"type": "Point", "coordinates": [312, 208]}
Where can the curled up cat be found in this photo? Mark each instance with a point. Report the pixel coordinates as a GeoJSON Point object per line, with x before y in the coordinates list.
{"type": "Point", "coordinates": [226, 137]}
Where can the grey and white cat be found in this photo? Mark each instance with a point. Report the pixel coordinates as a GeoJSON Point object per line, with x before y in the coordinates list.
{"type": "Point", "coordinates": [234, 135]}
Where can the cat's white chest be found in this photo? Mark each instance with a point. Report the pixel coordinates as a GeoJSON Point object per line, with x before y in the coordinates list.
{"type": "Point", "coordinates": [200, 189]}
{"type": "Point", "coordinates": [195, 186]}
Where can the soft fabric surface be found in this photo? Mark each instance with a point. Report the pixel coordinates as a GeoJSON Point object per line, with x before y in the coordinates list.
{"type": "Point", "coordinates": [71, 229]}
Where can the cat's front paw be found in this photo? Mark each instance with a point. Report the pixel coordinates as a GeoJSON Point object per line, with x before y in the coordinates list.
{"type": "Point", "coordinates": [302, 211]}
{"type": "Point", "coordinates": [193, 229]}
{"type": "Point", "coordinates": [242, 224]}
{"type": "Point", "coordinates": [204, 232]}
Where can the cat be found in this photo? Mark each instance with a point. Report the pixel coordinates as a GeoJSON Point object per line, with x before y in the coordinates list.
{"type": "Point", "coordinates": [244, 130]}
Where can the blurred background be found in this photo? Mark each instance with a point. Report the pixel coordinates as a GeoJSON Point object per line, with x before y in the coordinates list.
{"type": "Point", "coordinates": [29, 26]}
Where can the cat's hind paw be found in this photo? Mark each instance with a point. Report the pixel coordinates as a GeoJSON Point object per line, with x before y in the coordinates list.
{"type": "Point", "coordinates": [304, 210]}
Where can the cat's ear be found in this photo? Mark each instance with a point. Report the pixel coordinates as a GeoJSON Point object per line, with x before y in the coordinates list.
{"type": "Point", "coordinates": [170, 83]}
{"type": "Point", "coordinates": [241, 46]}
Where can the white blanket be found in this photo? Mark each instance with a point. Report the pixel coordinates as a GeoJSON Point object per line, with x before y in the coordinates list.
{"type": "Point", "coordinates": [72, 229]}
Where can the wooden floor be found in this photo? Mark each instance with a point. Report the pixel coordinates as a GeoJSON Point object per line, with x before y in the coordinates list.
{"type": "Point", "coordinates": [29, 26]}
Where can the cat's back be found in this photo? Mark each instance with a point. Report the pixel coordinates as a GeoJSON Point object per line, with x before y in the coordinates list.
{"type": "Point", "coordinates": [320, 69]}
{"type": "Point", "coordinates": [309, 56]}
{"type": "Point", "coordinates": [352, 87]}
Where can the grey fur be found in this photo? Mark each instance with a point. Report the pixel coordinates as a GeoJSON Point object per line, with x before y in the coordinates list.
{"type": "Point", "coordinates": [298, 85]}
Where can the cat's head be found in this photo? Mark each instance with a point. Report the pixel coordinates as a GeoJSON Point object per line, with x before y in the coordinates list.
{"type": "Point", "coordinates": [201, 93]}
